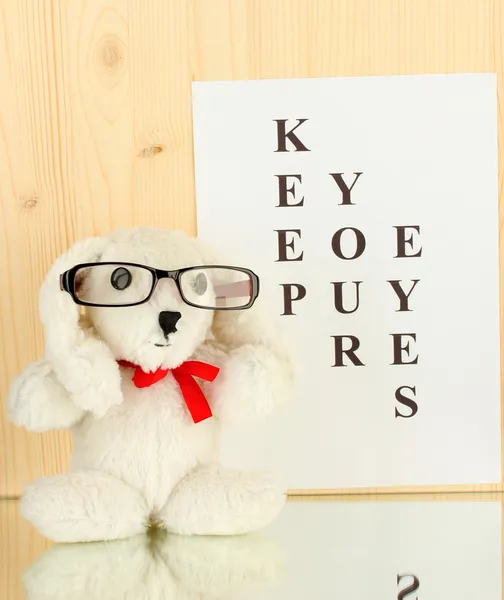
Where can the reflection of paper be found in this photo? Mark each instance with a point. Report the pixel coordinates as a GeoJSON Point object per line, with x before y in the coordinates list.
{"type": "Point", "coordinates": [419, 402]}
{"type": "Point", "coordinates": [356, 550]}
{"type": "Point", "coordinates": [238, 289]}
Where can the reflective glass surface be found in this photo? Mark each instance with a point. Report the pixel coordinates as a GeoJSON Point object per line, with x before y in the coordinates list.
{"type": "Point", "coordinates": [345, 548]}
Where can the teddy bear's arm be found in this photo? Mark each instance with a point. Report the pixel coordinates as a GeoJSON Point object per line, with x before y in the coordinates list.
{"type": "Point", "coordinates": [256, 373]}
{"type": "Point", "coordinates": [39, 402]}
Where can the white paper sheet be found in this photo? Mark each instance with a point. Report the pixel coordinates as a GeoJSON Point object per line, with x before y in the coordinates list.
{"type": "Point", "coordinates": [424, 208]}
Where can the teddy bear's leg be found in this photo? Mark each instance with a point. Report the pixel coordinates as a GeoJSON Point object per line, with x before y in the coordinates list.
{"type": "Point", "coordinates": [213, 500]}
{"type": "Point", "coordinates": [84, 506]}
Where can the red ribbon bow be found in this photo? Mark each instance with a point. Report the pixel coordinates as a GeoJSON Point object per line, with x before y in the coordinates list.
{"type": "Point", "coordinates": [191, 392]}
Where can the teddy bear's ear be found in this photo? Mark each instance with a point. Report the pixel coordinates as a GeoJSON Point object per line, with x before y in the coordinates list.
{"type": "Point", "coordinates": [58, 312]}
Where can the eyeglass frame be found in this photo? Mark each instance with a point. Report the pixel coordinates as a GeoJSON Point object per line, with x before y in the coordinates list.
{"type": "Point", "coordinates": [67, 283]}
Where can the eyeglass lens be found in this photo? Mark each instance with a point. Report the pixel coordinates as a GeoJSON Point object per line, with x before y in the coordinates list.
{"type": "Point", "coordinates": [215, 287]}
{"type": "Point", "coordinates": [113, 285]}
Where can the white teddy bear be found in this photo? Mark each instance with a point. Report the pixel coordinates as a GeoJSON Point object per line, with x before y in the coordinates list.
{"type": "Point", "coordinates": [122, 375]}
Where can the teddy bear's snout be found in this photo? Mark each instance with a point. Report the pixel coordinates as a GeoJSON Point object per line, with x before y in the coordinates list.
{"type": "Point", "coordinates": [168, 321]}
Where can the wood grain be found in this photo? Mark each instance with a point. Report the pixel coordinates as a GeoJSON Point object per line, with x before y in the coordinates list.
{"type": "Point", "coordinates": [96, 131]}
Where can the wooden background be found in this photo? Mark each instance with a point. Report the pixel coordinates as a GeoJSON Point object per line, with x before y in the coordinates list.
{"type": "Point", "coordinates": [96, 132]}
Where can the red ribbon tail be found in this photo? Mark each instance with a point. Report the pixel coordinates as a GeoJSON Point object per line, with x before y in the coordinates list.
{"type": "Point", "coordinates": [194, 398]}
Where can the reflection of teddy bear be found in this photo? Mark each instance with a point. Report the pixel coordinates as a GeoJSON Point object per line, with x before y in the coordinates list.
{"type": "Point", "coordinates": [122, 379]}
{"type": "Point", "coordinates": [148, 567]}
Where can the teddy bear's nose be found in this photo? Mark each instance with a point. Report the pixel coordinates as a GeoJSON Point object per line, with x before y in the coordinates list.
{"type": "Point", "coordinates": [168, 321]}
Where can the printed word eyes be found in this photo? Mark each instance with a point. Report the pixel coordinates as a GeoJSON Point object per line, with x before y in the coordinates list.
{"type": "Point", "coordinates": [120, 279]}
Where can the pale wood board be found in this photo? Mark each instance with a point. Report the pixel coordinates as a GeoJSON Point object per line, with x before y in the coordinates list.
{"type": "Point", "coordinates": [96, 129]}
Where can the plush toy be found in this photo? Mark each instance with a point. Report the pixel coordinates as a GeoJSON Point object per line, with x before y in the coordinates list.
{"type": "Point", "coordinates": [151, 345]}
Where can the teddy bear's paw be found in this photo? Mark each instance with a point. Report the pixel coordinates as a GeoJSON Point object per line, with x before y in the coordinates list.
{"type": "Point", "coordinates": [25, 394]}
{"type": "Point", "coordinates": [255, 380]}
{"type": "Point", "coordinates": [213, 500]}
{"type": "Point", "coordinates": [91, 374]}
{"type": "Point", "coordinates": [39, 402]}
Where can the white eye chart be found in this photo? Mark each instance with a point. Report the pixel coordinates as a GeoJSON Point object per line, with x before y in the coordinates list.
{"type": "Point", "coordinates": [369, 209]}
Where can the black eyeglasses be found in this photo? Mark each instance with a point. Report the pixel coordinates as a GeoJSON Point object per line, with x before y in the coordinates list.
{"type": "Point", "coordinates": [111, 284]}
